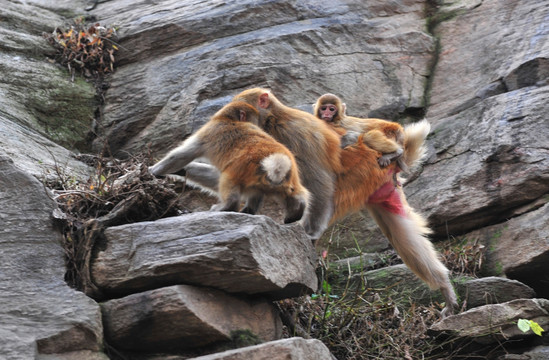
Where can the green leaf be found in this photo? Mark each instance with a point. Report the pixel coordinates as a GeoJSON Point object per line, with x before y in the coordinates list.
{"type": "Point", "coordinates": [536, 328]}
{"type": "Point", "coordinates": [523, 325]}
{"type": "Point", "coordinates": [326, 287]}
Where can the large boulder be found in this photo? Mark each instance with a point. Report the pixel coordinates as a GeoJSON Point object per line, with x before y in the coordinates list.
{"type": "Point", "coordinates": [183, 316]}
{"type": "Point", "coordinates": [488, 105]}
{"type": "Point", "coordinates": [519, 249]}
{"type": "Point", "coordinates": [490, 324]}
{"type": "Point", "coordinates": [234, 252]}
{"type": "Point", "coordinates": [40, 314]}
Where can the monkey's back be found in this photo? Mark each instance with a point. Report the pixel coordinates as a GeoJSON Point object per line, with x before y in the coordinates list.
{"type": "Point", "coordinates": [360, 177]}
{"type": "Point", "coordinates": [239, 150]}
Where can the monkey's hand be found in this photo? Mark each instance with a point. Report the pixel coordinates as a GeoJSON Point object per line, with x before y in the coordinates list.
{"type": "Point", "coordinates": [386, 159]}
{"type": "Point", "coordinates": [351, 137]}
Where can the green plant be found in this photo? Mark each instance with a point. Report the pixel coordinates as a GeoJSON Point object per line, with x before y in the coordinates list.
{"type": "Point", "coordinates": [526, 325]}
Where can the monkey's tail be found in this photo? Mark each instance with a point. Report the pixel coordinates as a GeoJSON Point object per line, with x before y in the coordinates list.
{"type": "Point", "coordinates": [414, 143]}
{"type": "Point", "coordinates": [407, 232]}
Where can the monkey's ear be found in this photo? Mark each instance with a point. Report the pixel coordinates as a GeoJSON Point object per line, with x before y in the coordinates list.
{"type": "Point", "coordinates": [344, 109]}
{"type": "Point", "coordinates": [242, 115]}
{"type": "Point", "coordinates": [264, 100]}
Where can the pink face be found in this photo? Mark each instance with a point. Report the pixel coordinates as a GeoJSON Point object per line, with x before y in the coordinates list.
{"type": "Point", "coordinates": [328, 112]}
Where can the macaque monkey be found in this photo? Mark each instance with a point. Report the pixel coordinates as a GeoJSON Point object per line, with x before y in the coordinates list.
{"type": "Point", "coordinates": [384, 136]}
{"type": "Point", "coordinates": [342, 181]}
{"type": "Point", "coordinates": [250, 162]}
{"type": "Point", "coordinates": [358, 182]}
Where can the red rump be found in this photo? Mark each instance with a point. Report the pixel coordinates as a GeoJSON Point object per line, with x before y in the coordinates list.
{"type": "Point", "coordinates": [388, 198]}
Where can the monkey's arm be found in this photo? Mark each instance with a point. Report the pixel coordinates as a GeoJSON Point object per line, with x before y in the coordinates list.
{"type": "Point", "coordinates": [376, 140]}
{"type": "Point", "coordinates": [176, 159]}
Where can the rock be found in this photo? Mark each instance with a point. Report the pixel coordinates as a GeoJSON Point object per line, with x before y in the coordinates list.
{"type": "Point", "coordinates": [487, 163]}
{"type": "Point", "coordinates": [39, 102]}
{"type": "Point", "coordinates": [494, 290]}
{"type": "Point", "coordinates": [519, 249]}
{"type": "Point", "coordinates": [179, 63]}
{"type": "Point", "coordinates": [292, 348]}
{"type": "Point", "coordinates": [488, 97]}
{"type": "Point", "coordinates": [182, 316]}
{"type": "Point", "coordinates": [473, 56]}
{"type": "Point", "coordinates": [399, 282]}
{"type": "Point", "coordinates": [491, 324]}
{"type": "Point", "coordinates": [537, 353]}
{"type": "Point", "coordinates": [40, 314]}
{"type": "Point", "coordinates": [354, 234]}
{"type": "Point", "coordinates": [234, 252]}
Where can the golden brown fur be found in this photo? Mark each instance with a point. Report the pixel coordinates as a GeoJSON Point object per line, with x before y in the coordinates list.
{"type": "Point", "coordinates": [384, 136]}
{"type": "Point", "coordinates": [251, 162]}
{"type": "Point", "coordinates": [358, 182]}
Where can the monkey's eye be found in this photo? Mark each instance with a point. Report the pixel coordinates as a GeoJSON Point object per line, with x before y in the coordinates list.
{"type": "Point", "coordinates": [327, 107]}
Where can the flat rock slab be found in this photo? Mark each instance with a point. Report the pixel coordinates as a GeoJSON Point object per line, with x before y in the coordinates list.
{"type": "Point", "coordinates": [286, 349]}
{"type": "Point", "coordinates": [491, 324]}
{"type": "Point", "coordinates": [235, 252]}
{"type": "Point", "coordinates": [184, 316]}
{"type": "Point", "coordinates": [493, 290]}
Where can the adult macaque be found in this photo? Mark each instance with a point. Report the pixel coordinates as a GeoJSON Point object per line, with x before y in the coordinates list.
{"type": "Point", "coordinates": [346, 180]}
{"type": "Point", "coordinates": [251, 163]}
{"type": "Point", "coordinates": [384, 136]}
{"type": "Point", "coordinates": [357, 182]}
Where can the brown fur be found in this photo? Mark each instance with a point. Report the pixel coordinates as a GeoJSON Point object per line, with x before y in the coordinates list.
{"type": "Point", "coordinates": [237, 147]}
{"type": "Point", "coordinates": [384, 136]}
{"type": "Point", "coordinates": [345, 180]}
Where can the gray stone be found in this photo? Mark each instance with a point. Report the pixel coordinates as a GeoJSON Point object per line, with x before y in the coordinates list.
{"type": "Point", "coordinates": [537, 353]}
{"type": "Point", "coordinates": [473, 55]}
{"type": "Point", "coordinates": [519, 248]}
{"type": "Point", "coordinates": [230, 251]}
{"type": "Point", "coordinates": [39, 102]}
{"type": "Point", "coordinates": [183, 316]}
{"type": "Point", "coordinates": [485, 163]}
{"type": "Point", "coordinates": [494, 290]}
{"type": "Point", "coordinates": [488, 98]}
{"type": "Point", "coordinates": [40, 314]}
{"type": "Point", "coordinates": [399, 282]}
{"type": "Point", "coordinates": [287, 349]}
{"type": "Point", "coordinates": [490, 324]}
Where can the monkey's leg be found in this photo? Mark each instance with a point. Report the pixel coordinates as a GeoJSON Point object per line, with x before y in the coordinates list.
{"type": "Point", "coordinates": [350, 138]}
{"type": "Point", "coordinates": [230, 195]}
{"type": "Point", "coordinates": [204, 176]}
{"type": "Point", "coordinates": [295, 207]}
{"type": "Point", "coordinates": [253, 203]}
{"type": "Point", "coordinates": [321, 205]}
{"type": "Point", "coordinates": [406, 231]}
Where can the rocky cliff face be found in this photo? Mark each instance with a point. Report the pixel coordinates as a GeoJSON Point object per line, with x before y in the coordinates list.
{"type": "Point", "coordinates": [478, 70]}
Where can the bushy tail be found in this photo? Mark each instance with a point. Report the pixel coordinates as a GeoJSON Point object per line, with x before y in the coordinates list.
{"type": "Point", "coordinates": [408, 236]}
{"type": "Point", "coordinates": [414, 142]}
{"type": "Point", "coordinates": [276, 166]}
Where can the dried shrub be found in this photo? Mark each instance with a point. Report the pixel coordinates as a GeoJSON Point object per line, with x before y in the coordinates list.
{"type": "Point", "coordinates": [463, 257]}
{"type": "Point", "coordinates": [88, 48]}
{"type": "Point", "coordinates": [361, 324]}
{"type": "Point", "coordinates": [120, 192]}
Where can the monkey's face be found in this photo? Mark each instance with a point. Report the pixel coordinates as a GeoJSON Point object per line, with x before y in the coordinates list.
{"type": "Point", "coordinates": [327, 112]}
